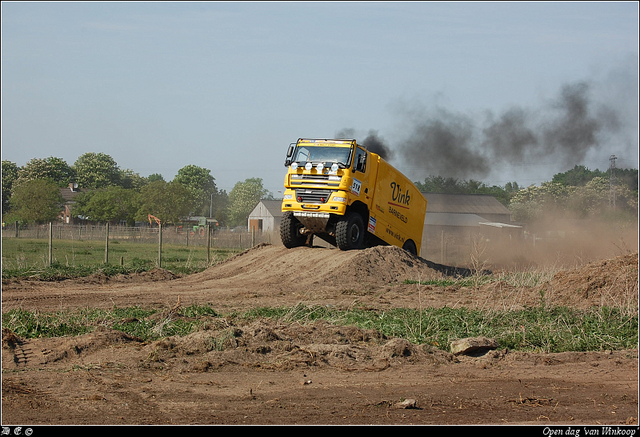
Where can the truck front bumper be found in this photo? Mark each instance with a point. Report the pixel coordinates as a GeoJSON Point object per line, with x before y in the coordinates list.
{"type": "Point", "coordinates": [337, 204]}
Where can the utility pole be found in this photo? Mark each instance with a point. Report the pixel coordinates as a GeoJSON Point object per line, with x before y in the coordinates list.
{"type": "Point", "coordinates": [612, 181]}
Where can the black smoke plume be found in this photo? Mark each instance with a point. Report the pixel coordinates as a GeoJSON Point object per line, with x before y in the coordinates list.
{"type": "Point", "coordinates": [444, 143]}
{"type": "Point", "coordinates": [376, 144]}
{"type": "Point", "coordinates": [373, 142]}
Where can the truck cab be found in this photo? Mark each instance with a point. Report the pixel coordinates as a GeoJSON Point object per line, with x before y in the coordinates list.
{"type": "Point", "coordinates": [337, 190]}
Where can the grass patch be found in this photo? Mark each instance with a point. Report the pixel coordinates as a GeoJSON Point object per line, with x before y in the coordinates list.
{"type": "Point", "coordinates": [28, 258]}
{"type": "Point", "coordinates": [131, 320]}
{"type": "Point", "coordinates": [539, 329]}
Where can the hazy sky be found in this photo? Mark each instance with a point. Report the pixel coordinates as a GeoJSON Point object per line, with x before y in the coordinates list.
{"type": "Point", "coordinates": [496, 92]}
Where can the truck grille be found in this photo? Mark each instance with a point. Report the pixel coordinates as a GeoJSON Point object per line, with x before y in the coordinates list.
{"type": "Point", "coordinates": [312, 196]}
{"type": "Point", "coordinates": [315, 179]}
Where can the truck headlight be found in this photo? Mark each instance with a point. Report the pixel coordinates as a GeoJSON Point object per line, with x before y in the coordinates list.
{"type": "Point", "coordinates": [339, 199]}
{"type": "Point", "coordinates": [288, 197]}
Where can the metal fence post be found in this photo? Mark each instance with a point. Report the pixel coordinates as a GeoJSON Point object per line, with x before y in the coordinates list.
{"type": "Point", "coordinates": [159, 245]}
{"type": "Point", "coordinates": [106, 244]}
{"type": "Point", "coordinates": [50, 244]}
{"type": "Point", "coordinates": [208, 244]}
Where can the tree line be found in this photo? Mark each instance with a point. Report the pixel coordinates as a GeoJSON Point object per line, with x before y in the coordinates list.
{"type": "Point", "coordinates": [576, 193]}
{"type": "Point", "coordinates": [108, 194]}
{"type": "Point", "coordinates": [30, 194]}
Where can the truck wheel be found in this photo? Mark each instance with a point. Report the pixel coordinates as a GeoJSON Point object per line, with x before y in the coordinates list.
{"type": "Point", "coordinates": [350, 231]}
{"type": "Point", "coordinates": [290, 231]}
{"type": "Point", "coordinates": [410, 247]}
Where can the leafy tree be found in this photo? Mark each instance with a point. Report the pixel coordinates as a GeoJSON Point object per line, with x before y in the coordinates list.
{"type": "Point", "coordinates": [37, 201]}
{"type": "Point", "coordinates": [533, 202]}
{"type": "Point", "coordinates": [511, 187]}
{"type": "Point", "coordinates": [111, 204]}
{"type": "Point", "coordinates": [9, 176]}
{"type": "Point", "coordinates": [243, 198]}
{"type": "Point", "coordinates": [439, 184]}
{"type": "Point", "coordinates": [628, 178]}
{"type": "Point", "coordinates": [200, 184]}
{"type": "Point", "coordinates": [553, 199]}
{"type": "Point", "coordinates": [155, 177]}
{"type": "Point", "coordinates": [55, 169]}
{"type": "Point", "coordinates": [169, 201]}
{"type": "Point", "coordinates": [449, 185]}
{"type": "Point", "coordinates": [52, 168]}
{"type": "Point", "coordinates": [578, 176]}
{"type": "Point", "coordinates": [131, 179]}
{"type": "Point", "coordinates": [220, 207]}
{"type": "Point", "coordinates": [96, 170]}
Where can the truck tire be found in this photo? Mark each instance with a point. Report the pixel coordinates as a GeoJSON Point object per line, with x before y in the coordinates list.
{"type": "Point", "coordinates": [350, 231]}
{"type": "Point", "coordinates": [410, 247]}
{"type": "Point", "coordinates": [290, 231]}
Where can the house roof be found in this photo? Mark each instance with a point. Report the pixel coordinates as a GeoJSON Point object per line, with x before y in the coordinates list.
{"type": "Point", "coordinates": [464, 203]}
{"type": "Point", "coordinates": [452, 219]}
{"type": "Point", "coordinates": [274, 207]}
{"type": "Point", "coordinates": [69, 194]}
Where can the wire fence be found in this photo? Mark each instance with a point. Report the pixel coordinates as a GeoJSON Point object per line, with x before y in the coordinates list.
{"type": "Point", "coordinates": [177, 235]}
{"type": "Point", "coordinates": [192, 237]}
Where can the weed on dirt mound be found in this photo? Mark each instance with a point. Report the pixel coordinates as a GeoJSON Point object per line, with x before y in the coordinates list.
{"type": "Point", "coordinates": [611, 282]}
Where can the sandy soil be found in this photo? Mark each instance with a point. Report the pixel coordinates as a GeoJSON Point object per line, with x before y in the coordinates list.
{"type": "Point", "coordinates": [270, 372]}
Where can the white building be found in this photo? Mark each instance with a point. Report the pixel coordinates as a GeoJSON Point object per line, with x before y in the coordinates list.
{"type": "Point", "coordinates": [266, 216]}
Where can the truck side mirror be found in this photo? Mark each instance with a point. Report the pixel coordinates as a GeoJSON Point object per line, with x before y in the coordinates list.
{"type": "Point", "coordinates": [287, 161]}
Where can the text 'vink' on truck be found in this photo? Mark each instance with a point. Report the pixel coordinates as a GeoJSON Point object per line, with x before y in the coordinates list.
{"type": "Point", "coordinates": [348, 196]}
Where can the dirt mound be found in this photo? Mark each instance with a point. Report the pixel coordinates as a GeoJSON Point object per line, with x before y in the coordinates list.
{"type": "Point", "coordinates": [611, 282]}
{"type": "Point", "coordinates": [391, 264]}
{"type": "Point", "coordinates": [18, 352]}
{"type": "Point", "coordinates": [324, 266]}
{"type": "Point", "coordinates": [264, 344]}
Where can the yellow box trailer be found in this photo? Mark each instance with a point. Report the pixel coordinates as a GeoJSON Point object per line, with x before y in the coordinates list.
{"type": "Point", "coordinates": [350, 197]}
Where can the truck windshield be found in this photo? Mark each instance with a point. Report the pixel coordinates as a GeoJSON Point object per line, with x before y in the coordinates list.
{"type": "Point", "coordinates": [315, 154]}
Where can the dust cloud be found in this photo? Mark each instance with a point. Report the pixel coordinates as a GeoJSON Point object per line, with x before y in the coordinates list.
{"type": "Point", "coordinates": [554, 242]}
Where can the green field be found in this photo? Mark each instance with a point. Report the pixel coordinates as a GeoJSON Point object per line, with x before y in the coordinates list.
{"type": "Point", "coordinates": [73, 258]}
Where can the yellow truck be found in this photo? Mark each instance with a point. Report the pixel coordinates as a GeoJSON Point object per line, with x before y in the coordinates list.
{"type": "Point", "coordinates": [348, 196]}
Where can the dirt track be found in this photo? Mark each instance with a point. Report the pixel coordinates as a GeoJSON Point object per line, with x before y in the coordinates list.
{"type": "Point", "coordinates": [278, 373]}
